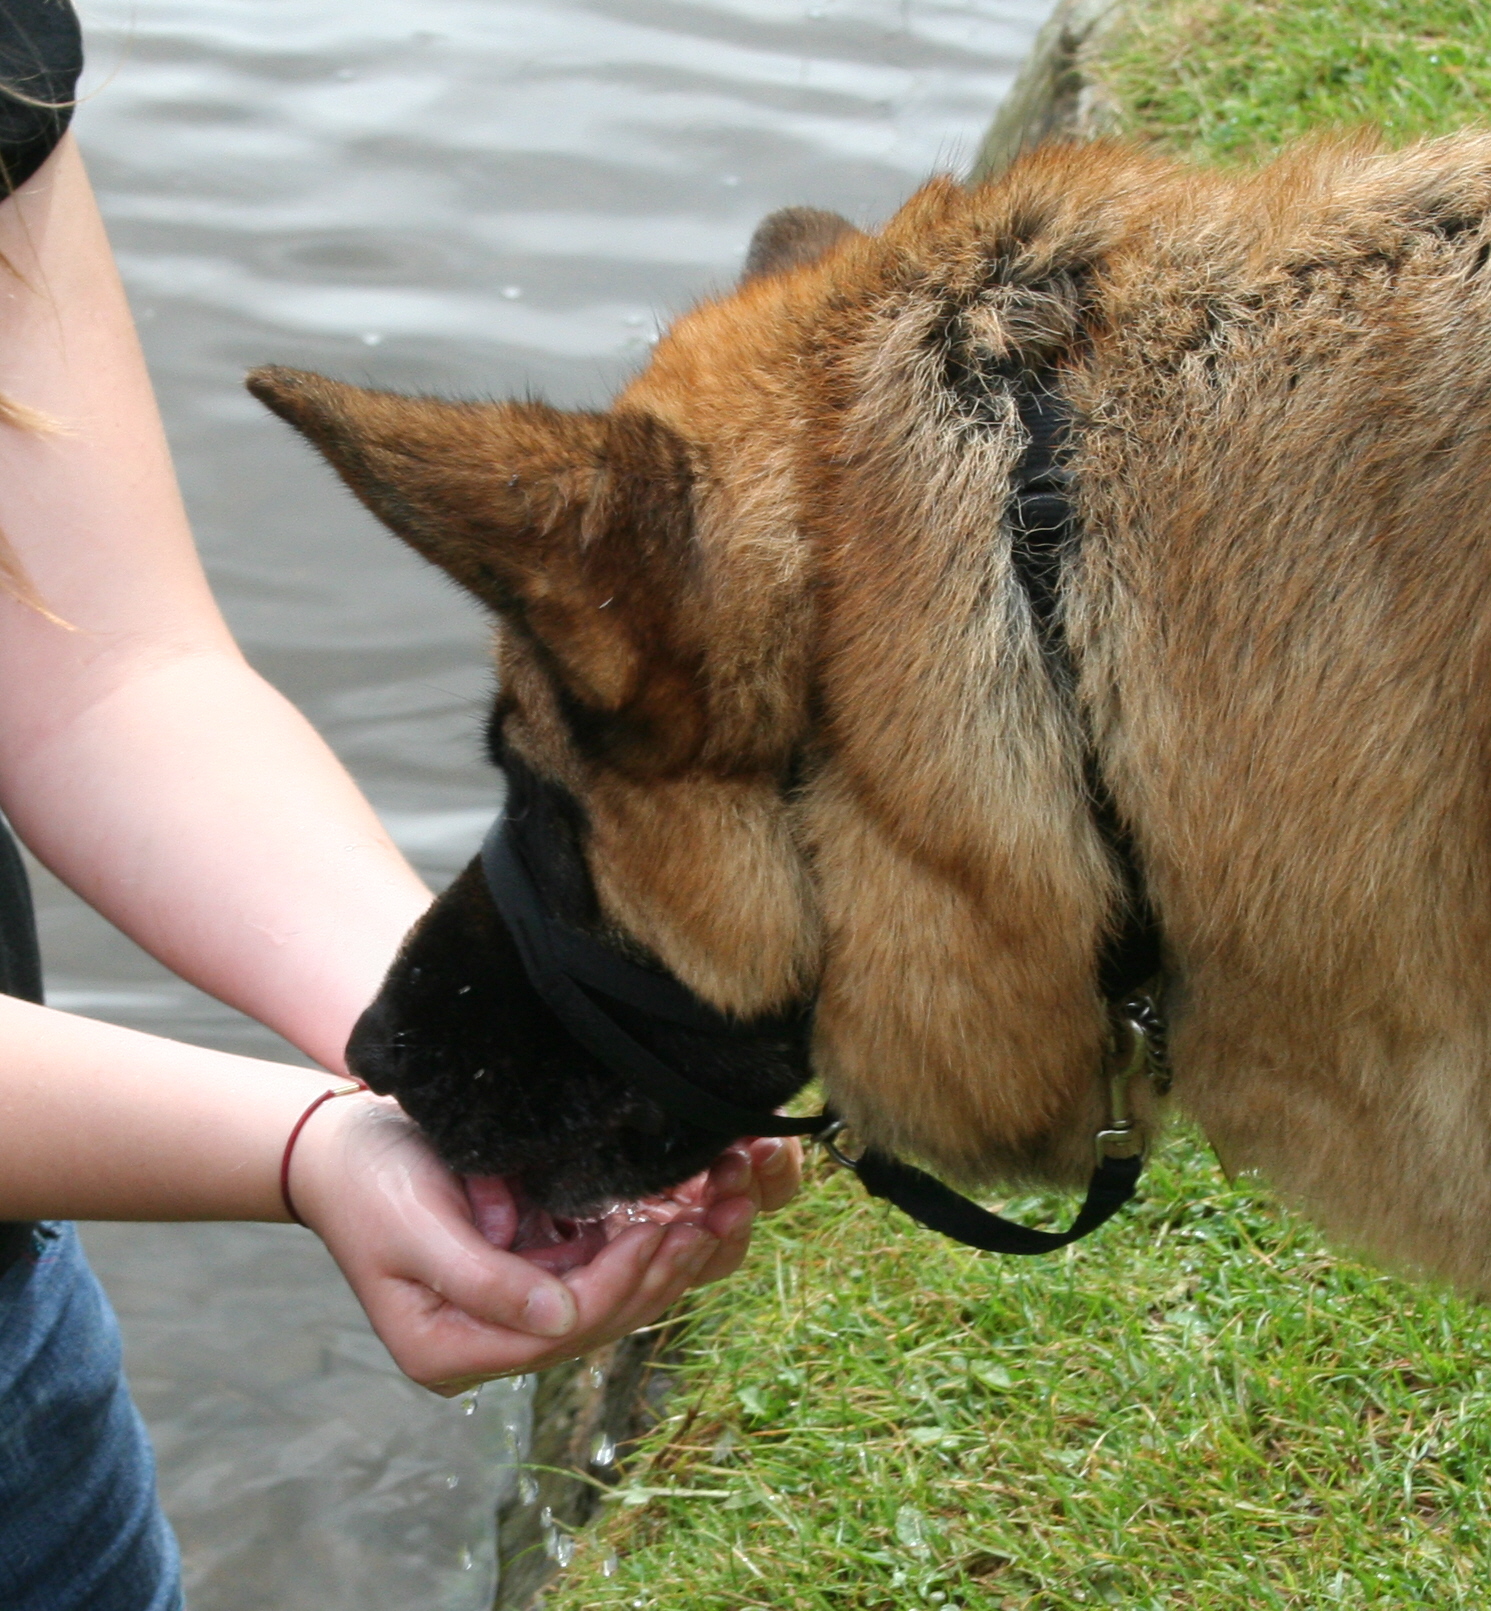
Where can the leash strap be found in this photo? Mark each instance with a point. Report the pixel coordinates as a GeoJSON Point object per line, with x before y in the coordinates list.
{"type": "Point", "coordinates": [565, 967]}
{"type": "Point", "coordinates": [939, 1208]}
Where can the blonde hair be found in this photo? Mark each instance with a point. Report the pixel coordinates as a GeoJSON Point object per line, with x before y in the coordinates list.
{"type": "Point", "coordinates": [14, 578]}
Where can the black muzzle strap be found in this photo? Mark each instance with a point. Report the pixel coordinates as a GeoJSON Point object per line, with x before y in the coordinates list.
{"type": "Point", "coordinates": [569, 969]}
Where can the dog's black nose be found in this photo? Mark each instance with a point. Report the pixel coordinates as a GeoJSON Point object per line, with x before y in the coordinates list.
{"type": "Point", "coordinates": [374, 1054]}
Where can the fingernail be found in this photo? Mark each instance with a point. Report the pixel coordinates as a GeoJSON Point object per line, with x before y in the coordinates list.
{"type": "Point", "coordinates": [731, 1173]}
{"type": "Point", "coordinates": [647, 1244]}
{"type": "Point", "coordinates": [549, 1311]}
{"type": "Point", "coordinates": [693, 1259]}
{"type": "Point", "coordinates": [736, 1226]}
{"type": "Point", "coordinates": [773, 1158]}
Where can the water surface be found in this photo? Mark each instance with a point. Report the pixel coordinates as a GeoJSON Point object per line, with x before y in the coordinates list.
{"type": "Point", "coordinates": [478, 197]}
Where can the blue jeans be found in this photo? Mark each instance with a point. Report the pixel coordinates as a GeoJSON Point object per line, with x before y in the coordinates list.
{"type": "Point", "coordinates": [81, 1528]}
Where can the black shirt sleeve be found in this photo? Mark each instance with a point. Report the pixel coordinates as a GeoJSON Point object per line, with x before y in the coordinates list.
{"type": "Point", "coordinates": [41, 56]}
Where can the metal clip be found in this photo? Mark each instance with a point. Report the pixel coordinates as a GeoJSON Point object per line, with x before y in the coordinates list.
{"type": "Point", "coordinates": [828, 1138]}
{"type": "Point", "coordinates": [1130, 1054]}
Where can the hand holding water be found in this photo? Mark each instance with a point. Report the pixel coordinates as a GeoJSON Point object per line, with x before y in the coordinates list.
{"type": "Point", "coordinates": [453, 1308]}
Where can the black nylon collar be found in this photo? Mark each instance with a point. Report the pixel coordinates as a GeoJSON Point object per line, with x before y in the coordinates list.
{"type": "Point", "coordinates": [938, 1207]}
{"type": "Point", "coordinates": [1044, 536]}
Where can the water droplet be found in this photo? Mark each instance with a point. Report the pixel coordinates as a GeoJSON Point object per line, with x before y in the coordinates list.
{"type": "Point", "coordinates": [527, 1489]}
{"type": "Point", "coordinates": [468, 1401]}
{"type": "Point", "coordinates": [465, 990]}
{"type": "Point", "coordinates": [610, 1565]}
{"type": "Point", "coordinates": [372, 338]}
{"type": "Point", "coordinates": [597, 1377]}
{"type": "Point", "coordinates": [911, 1529]}
{"type": "Point", "coordinates": [465, 1559]}
{"type": "Point", "coordinates": [562, 1548]}
{"type": "Point", "coordinates": [604, 1453]}
{"type": "Point", "coordinates": [546, 1516]}
{"type": "Point", "coordinates": [512, 292]}
{"type": "Point", "coordinates": [452, 1482]}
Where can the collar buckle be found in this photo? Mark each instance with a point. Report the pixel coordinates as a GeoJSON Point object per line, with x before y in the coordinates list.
{"type": "Point", "coordinates": [1136, 1046]}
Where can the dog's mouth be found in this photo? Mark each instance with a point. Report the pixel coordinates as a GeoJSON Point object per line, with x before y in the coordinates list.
{"type": "Point", "coordinates": [508, 1218]}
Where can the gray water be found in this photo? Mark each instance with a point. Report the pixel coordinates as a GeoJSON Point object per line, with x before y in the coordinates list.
{"type": "Point", "coordinates": [477, 197]}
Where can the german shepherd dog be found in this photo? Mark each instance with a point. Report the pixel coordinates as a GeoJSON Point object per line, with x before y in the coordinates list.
{"type": "Point", "coordinates": [778, 722]}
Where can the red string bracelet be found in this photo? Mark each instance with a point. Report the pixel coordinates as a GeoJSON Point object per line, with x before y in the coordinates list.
{"type": "Point", "coordinates": [300, 1124]}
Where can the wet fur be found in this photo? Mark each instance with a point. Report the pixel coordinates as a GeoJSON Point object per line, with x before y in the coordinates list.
{"type": "Point", "coordinates": [759, 629]}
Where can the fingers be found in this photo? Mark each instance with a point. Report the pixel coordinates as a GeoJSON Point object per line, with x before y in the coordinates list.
{"type": "Point", "coordinates": [767, 1169]}
{"type": "Point", "coordinates": [441, 1344]}
{"type": "Point", "coordinates": [777, 1165]}
{"type": "Point", "coordinates": [616, 1299]}
{"type": "Point", "coordinates": [633, 1281]}
{"type": "Point", "coordinates": [732, 1174]}
{"type": "Point", "coordinates": [389, 1210]}
{"type": "Point", "coordinates": [492, 1286]}
{"type": "Point", "coordinates": [731, 1223]}
{"type": "Point", "coordinates": [455, 1310]}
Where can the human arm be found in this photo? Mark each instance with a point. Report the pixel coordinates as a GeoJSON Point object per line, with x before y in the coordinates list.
{"type": "Point", "coordinates": [162, 778]}
{"type": "Point", "coordinates": [140, 756]}
{"type": "Point", "coordinates": [98, 1122]}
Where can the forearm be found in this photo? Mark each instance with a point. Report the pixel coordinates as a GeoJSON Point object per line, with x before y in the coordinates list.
{"type": "Point", "coordinates": [197, 809]}
{"type": "Point", "coordinates": [139, 755]}
{"type": "Point", "coordinates": [98, 1122]}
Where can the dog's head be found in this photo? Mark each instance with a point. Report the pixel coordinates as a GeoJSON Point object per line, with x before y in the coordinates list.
{"type": "Point", "coordinates": [772, 712]}
{"type": "Point", "coordinates": [650, 608]}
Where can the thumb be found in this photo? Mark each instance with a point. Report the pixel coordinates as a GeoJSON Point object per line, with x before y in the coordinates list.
{"type": "Point", "coordinates": [389, 1209]}
{"type": "Point", "coordinates": [452, 1258]}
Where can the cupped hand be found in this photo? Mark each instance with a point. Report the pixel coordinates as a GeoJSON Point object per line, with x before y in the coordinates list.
{"type": "Point", "coordinates": [455, 1310]}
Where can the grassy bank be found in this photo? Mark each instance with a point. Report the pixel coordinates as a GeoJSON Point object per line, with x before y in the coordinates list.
{"type": "Point", "coordinates": [1201, 1408]}
{"type": "Point", "coordinates": [1228, 79]}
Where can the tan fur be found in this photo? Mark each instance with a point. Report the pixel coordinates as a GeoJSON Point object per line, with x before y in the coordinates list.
{"type": "Point", "coordinates": [826, 749]}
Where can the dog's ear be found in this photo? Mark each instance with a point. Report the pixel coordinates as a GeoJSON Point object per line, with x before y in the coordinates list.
{"type": "Point", "coordinates": [791, 238]}
{"type": "Point", "coordinates": [577, 528]}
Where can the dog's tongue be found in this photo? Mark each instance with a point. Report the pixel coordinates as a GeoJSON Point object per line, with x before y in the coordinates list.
{"type": "Point", "coordinates": [505, 1216]}
{"type": "Point", "coordinates": [509, 1219]}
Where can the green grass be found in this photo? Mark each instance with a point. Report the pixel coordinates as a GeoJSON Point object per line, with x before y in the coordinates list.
{"type": "Point", "coordinates": [1198, 1408]}
{"type": "Point", "coordinates": [1235, 79]}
